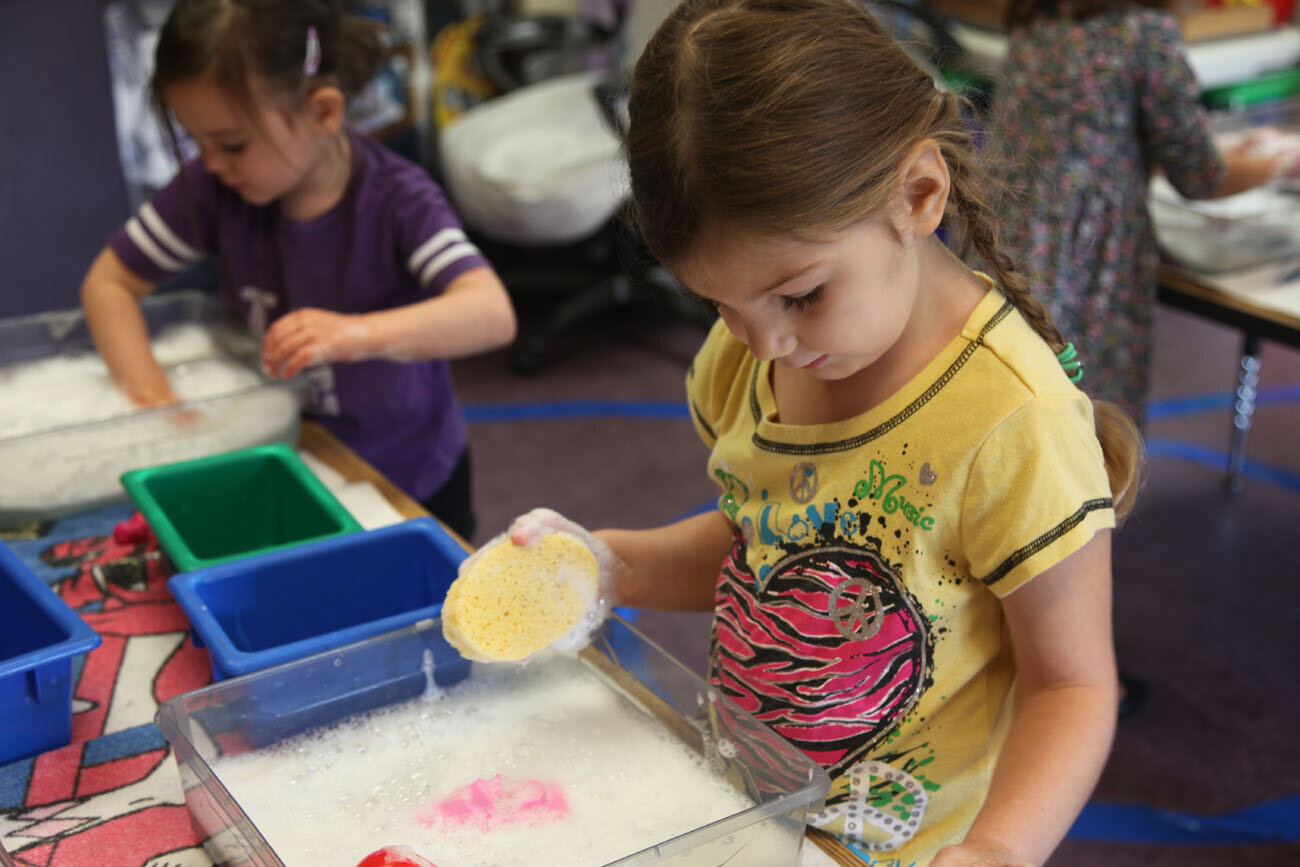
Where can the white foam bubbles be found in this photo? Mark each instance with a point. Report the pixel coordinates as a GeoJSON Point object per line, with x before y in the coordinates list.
{"type": "Point", "coordinates": [332, 796]}
{"type": "Point", "coordinates": [67, 432]}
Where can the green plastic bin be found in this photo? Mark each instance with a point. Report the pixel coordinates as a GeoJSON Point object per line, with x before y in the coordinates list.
{"type": "Point", "coordinates": [235, 504]}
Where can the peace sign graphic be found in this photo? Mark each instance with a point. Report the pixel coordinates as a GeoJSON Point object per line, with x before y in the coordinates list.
{"type": "Point", "coordinates": [854, 621]}
{"type": "Point", "coordinates": [803, 482]}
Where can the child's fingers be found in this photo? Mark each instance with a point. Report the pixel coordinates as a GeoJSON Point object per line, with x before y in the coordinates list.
{"type": "Point", "coordinates": [280, 341]}
{"type": "Point", "coordinates": [306, 337]}
{"type": "Point", "coordinates": [283, 327]}
{"type": "Point", "coordinates": [304, 356]}
{"type": "Point", "coordinates": [528, 528]}
{"type": "Point", "coordinates": [187, 419]}
{"type": "Point", "coordinates": [279, 351]}
{"type": "Point", "coordinates": [531, 526]}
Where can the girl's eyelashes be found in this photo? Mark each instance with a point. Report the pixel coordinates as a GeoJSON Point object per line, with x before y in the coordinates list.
{"type": "Point", "coordinates": [804, 301]}
{"type": "Point", "coordinates": [234, 148]}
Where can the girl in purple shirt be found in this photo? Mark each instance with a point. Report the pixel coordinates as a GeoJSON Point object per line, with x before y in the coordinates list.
{"type": "Point", "coordinates": [345, 256]}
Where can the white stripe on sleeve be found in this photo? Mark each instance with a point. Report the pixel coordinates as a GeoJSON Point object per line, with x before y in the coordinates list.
{"type": "Point", "coordinates": [147, 246]}
{"type": "Point", "coordinates": [432, 246]}
{"type": "Point", "coordinates": [454, 253]}
{"type": "Point", "coordinates": [166, 236]}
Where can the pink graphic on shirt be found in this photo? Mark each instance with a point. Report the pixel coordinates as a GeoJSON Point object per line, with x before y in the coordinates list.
{"type": "Point", "coordinates": [832, 652]}
{"type": "Point", "coordinates": [490, 804]}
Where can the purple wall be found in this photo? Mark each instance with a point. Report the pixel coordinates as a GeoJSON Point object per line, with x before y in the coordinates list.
{"type": "Point", "coordinates": [61, 188]}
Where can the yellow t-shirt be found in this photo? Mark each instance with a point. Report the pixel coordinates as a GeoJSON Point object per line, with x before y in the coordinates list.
{"type": "Point", "coordinates": [858, 612]}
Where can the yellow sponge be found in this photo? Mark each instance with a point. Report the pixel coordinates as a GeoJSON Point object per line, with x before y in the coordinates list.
{"type": "Point", "coordinates": [515, 600]}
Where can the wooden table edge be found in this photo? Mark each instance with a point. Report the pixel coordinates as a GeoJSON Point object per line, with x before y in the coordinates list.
{"type": "Point", "coordinates": [320, 443]}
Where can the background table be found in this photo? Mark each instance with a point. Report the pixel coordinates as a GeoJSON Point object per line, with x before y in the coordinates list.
{"type": "Point", "coordinates": [1263, 303]}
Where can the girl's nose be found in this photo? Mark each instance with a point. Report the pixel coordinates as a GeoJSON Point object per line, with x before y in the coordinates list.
{"type": "Point", "coordinates": [766, 340]}
{"type": "Point", "coordinates": [772, 347]}
{"type": "Point", "coordinates": [212, 160]}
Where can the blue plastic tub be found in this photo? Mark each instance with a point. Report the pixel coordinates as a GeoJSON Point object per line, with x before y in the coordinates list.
{"type": "Point", "coordinates": [38, 641]}
{"type": "Point", "coordinates": [284, 605]}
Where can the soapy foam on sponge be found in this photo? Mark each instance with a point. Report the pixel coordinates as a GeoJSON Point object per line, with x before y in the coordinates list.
{"type": "Point", "coordinates": [512, 600]}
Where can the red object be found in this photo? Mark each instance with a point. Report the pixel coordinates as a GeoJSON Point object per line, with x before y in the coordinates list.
{"type": "Point", "coordinates": [1283, 10]}
{"type": "Point", "coordinates": [133, 529]}
{"type": "Point", "coordinates": [395, 856]}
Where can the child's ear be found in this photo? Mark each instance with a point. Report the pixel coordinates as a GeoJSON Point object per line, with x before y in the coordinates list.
{"type": "Point", "coordinates": [327, 107]}
{"type": "Point", "coordinates": [925, 184]}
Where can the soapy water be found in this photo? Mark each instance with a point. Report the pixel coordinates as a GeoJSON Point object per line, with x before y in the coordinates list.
{"type": "Point", "coordinates": [67, 432]}
{"type": "Point", "coordinates": [524, 765]}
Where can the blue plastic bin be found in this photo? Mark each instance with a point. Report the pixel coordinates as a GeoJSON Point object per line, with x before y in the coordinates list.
{"type": "Point", "coordinates": [283, 605]}
{"type": "Point", "coordinates": [38, 640]}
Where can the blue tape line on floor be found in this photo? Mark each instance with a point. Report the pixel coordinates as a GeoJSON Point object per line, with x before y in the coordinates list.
{"type": "Point", "coordinates": [1217, 460]}
{"type": "Point", "coordinates": [1171, 407]}
{"type": "Point", "coordinates": [568, 409]}
{"type": "Point", "coordinates": [1271, 822]}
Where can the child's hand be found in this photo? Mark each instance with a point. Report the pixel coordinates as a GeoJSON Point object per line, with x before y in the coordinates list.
{"type": "Point", "coordinates": [310, 336]}
{"type": "Point", "coordinates": [150, 391]}
{"type": "Point", "coordinates": [1267, 142]}
{"type": "Point", "coordinates": [160, 394]}
{"type": "Point", "coordinates": [978, 855]}
{"type": "Point", "coordinates": [187, 419]}
{"type": "Point", "coordinates": [529, 527]}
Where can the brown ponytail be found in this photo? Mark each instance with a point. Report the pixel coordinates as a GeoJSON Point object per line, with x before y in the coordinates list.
{"type": "Point", "coordinates": [786, 115]}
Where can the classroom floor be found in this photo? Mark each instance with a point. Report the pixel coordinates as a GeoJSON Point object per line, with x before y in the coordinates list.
{"type": "Point", "coordinates": [1206, 609]}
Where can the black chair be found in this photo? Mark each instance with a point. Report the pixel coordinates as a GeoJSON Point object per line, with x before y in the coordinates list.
{"type": "Point", "coordinates": [539, 179]}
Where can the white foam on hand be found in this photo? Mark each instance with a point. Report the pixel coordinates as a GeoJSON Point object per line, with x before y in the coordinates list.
{"type": "Point", "coordinates": [539, 522]}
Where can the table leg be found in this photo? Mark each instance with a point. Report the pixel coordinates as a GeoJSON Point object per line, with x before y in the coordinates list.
{"type": "Point", "coordinates": [1243, 409]}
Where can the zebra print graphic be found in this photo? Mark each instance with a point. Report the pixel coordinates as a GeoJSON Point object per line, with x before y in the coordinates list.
{"type": "Point", "coordinates": [832, 652]}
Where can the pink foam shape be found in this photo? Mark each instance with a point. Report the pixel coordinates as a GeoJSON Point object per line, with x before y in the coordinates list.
{"type": "Point", "coordinates": [496, 802]}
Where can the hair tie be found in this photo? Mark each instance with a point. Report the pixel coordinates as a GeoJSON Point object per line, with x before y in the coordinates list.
{"type": "Point", "coordinates": [1070, 363]}
{"type": "Point", "coordinates": [311, 58]}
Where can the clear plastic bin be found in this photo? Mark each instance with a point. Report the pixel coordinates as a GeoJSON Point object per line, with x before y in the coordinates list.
{"type": "Point", "coordinates": [780, 784]}
{"type": "Point", "coordinates": [1252, 228]}
{"type": "Point", "coordinates": [69, 468]}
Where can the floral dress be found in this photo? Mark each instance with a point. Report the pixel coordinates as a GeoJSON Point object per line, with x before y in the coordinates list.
{"type": "Point", "coordinates": [1085, 111]}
